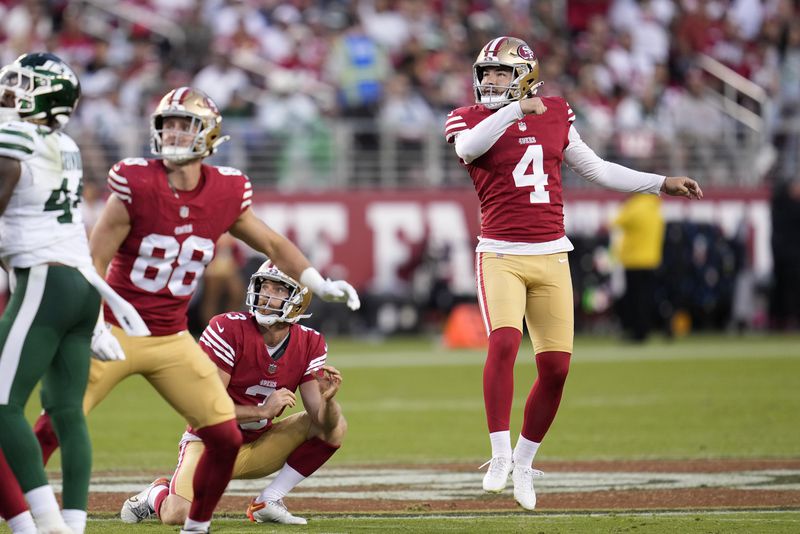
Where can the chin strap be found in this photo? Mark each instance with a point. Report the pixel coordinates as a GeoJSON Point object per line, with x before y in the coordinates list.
{"type": "Point", "coordinates": [269, 320]}
{"type": "Point", "coordinates": [218, 141]}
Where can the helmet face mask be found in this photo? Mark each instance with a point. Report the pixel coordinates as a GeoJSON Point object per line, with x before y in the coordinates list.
{"type": "Point", "coordinates": [44, 88]}
{"type": "Point", "coordinates": [516, 55]}
{"type": "Point", "coordinates": [199, 139]}
{"type": "Point", "coordinates": [270, 308]}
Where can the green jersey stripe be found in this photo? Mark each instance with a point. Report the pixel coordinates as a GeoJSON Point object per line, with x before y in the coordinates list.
{"type": "Point", "coordinates": [15, 148]}
{"type": "Point", "coordinates": [16, 132]}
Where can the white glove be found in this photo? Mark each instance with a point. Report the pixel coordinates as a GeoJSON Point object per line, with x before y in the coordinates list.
{"type": "Point", "coordinates": [330, 290]}
{"type": "Point", "coordinates": [105, 346]}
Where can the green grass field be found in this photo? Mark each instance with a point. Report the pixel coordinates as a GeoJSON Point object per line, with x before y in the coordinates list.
{"type": "Point", "coordinates": [410, 401]}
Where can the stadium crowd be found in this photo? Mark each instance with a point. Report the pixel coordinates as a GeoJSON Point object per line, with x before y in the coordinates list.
{"type": "Point", "coordinates": [627, 67]}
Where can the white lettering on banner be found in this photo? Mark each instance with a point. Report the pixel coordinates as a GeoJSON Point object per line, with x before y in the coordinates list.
{"type": "Point", "coordinates": [277, 216]}
{"type": "Point", "coordinates": [588, 217]}
{"type": "Point", "coordinates": [317, 227]}
{"type": "Point", "coordinates": [395, 226]}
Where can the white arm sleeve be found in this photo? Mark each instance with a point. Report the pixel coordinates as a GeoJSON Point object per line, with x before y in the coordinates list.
{"type": "Point", "coordinates": [473, 143]}
{"type": "Point", "coordinates": [593, 168]}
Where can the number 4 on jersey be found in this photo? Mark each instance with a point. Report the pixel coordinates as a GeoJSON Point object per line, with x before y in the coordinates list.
{"type": "Point", "coordinates": [533, 159]}
{"type": "Point", "coordinates": [61, 199]}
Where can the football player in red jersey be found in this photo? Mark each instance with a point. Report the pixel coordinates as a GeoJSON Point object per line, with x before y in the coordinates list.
{"type": "Point", "coordinates": [153, 240]}
{"type": "Point", "coordinates": [512, 143]}
{"type": "Point", "coordinates": [262, 357]}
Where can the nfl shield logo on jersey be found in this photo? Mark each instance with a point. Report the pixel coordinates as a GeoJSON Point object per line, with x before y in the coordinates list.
{"type": "Point", "coordinates": [272, 368]}
{"type": "Point", "coordinates": [183, 212]}
{"type": "Point", "coordinates": [522, 126]}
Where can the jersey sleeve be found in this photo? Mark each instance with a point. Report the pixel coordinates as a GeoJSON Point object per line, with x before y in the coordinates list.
{"type": "Point", "coordinates": [317, 354]}
{"type": "Point", "coordinates": [247, 193]}
{"type": "Point", "coordinates": [217, 341]}
{"type": "Point", "coordinates": [236, 183]}
{"type": "Point", "coordinates": [125, 180]}
{"type": "Point", "coordinates": [570, 113]}
{"type": "Point", "coordinates": [455, 124]}
{"type": "Point", "coordinates": [15, 142]}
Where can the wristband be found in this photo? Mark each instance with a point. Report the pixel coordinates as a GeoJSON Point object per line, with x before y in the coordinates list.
{"type": "Point", "coordinates": [312, 279]}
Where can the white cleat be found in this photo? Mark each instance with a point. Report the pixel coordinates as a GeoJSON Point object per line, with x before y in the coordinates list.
{"type": "Point", "coordinates": [524, 493]}
{"type": "Point", "coordinates": [136, 508]}
{"type": "Point", "coordinates": [496, 477]}
{"type": "Point", "coordinates": [272, 512]}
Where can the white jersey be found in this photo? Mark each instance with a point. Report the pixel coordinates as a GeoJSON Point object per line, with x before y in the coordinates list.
{"type": "Point", "coordinates": [43, 221]}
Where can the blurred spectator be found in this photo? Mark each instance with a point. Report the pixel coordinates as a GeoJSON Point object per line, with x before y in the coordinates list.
{"type": "Point", "coordinates": [639, 250]}
{"type": "Point", "coordinates": [699, 124]}
{"type": "Point", "coordinates": [789, 140]}
{"type": "Point", "coordinates": [642, 132]}
{"type": "Point", "coordinates": [386, 25]}
{"type": "Point", "coordinates": [600, 54]}
{"type": "Point", "coordinates": [358, 67]}
{"type": "Point", "coordinates": [405, 118]}
{"type": "Point", "coordinates": [199, 38]}
{"type": "Point", "coordinates": [221, 79]}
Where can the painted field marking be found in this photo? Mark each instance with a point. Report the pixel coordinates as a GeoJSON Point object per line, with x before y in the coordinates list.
{"type": "Point", "coordinates": [434, 485]}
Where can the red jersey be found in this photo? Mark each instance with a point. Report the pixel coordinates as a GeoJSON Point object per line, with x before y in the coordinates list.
{"type": "Point", "coordinates": [518, 180]}
{"type": "Point", "coordinates": [172, 237]}
{"type": "Point", "coordinates": [235, 344]}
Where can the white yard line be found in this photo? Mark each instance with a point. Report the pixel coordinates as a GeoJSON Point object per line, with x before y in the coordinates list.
{"type": "Point", "coordinates": [436, 485]}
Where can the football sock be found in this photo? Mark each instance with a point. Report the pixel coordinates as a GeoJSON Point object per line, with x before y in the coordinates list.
{"type": "Point", "coordinates": [22, 523]}
{"type": "Point", "coordinates": [498, 377]}
{"type": "Point", "coordinates": [156, 498]}
{"type": "Point", "coordinates": [285, 481]}
{"type": "Point", "coordinates": [12, 501]}
{"type": "Point", "coordinates": [525, 451]}
{"type": "Point", "coordinates": [310, 456]}
{"type": "Point", "coordinates": [48, 440]}
{"type": "Point", "coordinates": [44, 508]}
{"type": "Point", "coordinates": [214, 469]}
{"type": "Point", "coordinates": [545, 396]}
{"type": "Point", "coordinates": [501, 443]}
{"type": "Point", "coordinates": [301, 463]}
{"type": "Point", "coordinates": [75, 519]}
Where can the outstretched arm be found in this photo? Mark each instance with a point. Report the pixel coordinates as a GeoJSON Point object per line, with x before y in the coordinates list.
{"type": "Point", "coordinates": [593, 168]}
{"type": "Point", "coordinates": [276, 247]}
{"type": "Point", "coordinates": [291, 260]}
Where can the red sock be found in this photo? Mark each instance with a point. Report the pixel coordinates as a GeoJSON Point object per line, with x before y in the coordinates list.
{"type": "Point", "coordinates": [545, 396]}
{"type": "Point", "coordinates": [46, 435]}
{"type": "Point", "coordinates": [158, 501]}
{"type": "Point", "coordinates": [310, 456]}
{"type": "Point", "coordinates": [12, 500]}
{"type": "Point", "coordinates": [498, 377]}
{"type": "Point", "coordinates": [215, 467]}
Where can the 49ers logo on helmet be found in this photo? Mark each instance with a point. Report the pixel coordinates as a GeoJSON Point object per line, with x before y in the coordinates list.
{"type": "Point", "coordinates": [525, 52]}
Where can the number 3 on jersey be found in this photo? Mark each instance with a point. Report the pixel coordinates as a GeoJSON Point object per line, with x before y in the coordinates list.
{"type": "Point", "coordinates": [153, 271]}
{"type": "Point", "coordinates": [532, 159]}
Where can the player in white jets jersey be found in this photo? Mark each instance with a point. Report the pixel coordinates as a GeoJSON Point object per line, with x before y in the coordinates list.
{"type": "Point", "coordinates": [47, 326]}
